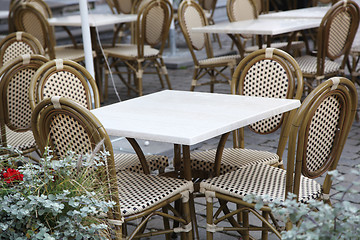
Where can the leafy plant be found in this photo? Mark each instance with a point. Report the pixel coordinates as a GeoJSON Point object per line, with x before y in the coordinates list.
{"type": "Point", "coordinates": [55, 199]}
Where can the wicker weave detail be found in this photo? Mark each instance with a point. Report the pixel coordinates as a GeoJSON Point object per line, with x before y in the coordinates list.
{"type": "Point", "coordinates": [20, 140]}
{"type": "Point", "coordinates": [154, 25]}
{"type": "Point", "coordinates": [338, 33]}
{"type": "Point", "coordinates": [68, 135]}
{"type": "Point", "coordinates": [308, 65]}
{"type": "Point", "coordinates": [130, 50]}
{"type": "Point", "coordinates": [260, 180]}
{"type": "Point", "coordinates": [220, 60]}
{"type": "Point", "coordinates": [130, 162]}
{"type": "Point", "coordinates": [68, 53]}
{"type": "Point", "coordinates": [266, 78]}
{"type": "Point", "coordinates": [138, 192]}
{"type": "Point", "coordinates": [295, 45]}
{"type": "Point", "coordinates": [323, 128]}
{"type": "Point", "coordinates": [192, 19]}
{"type": "Point", "coordinates": [65, 84]}
{"type": "Point", "coordinates": [232, 159]}
{"type": "Point", "coordinates": [242, 10]}
{"type": "Point", "coordinates": [32, 24]}
{"type": "Point", "coordinates": [18, 100]}
{"type": "Point", "coordinates": [16, 49]}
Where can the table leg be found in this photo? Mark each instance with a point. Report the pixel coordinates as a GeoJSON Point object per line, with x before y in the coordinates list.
{"type": "Point", "coordinates": [97, 61]}
{"type": "Point", "coordinates": [237, 41]}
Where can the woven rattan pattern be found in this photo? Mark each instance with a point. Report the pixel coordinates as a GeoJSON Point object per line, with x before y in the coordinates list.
{"type": "Point", "coordinates": [193, 19]}
{"type": "Point", "coordinates": [18, 100]}
{"type": "Point", "coordinates": [19, 140]}
{"type": "Point", "coordinates": [66, 138]}
{"type": "Point", "coordinates": [16, 49]}
{"type": "Point", "coordinates": [130, 162]}
{"type": "Point", "coordinates": [308, 65]}
{"type": "Point", "coordinates": [32, 24]}
{"type": "Point", "coordinates": [323, 124]}
{"type": "Point", "coordinates": [338, 34]}
{"type": "Point", "coordinates": [138, 192]}
{"type": "Point", "coordinates": [154, 25]}
{"type": "Point", "coordinates": [66, 84]}
{"type": "Point", "coordinates": [260, 180]}
{"type": "Point", "coordinates": [266, 78]}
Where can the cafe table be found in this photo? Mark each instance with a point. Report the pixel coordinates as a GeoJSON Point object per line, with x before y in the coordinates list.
{"type": "Point", "coordinates": [95, 20]}
{"type": "Point", "coordinates": [261, 27]}
{"type": "Point", "coordinates": [302, 13]}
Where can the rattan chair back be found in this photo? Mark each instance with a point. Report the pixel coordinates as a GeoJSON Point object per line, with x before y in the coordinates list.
{"type": "Point", "coordinates": [208, 5]}
{"type": "Point", "coordinates": [14, 86]}
{"type": "Point", "coordinates": [269, 73]}
{"type": "Point", "coordinates": [64, 78]}
{"type": "Point", "coordinates": [17, 44]}
{"type": "Point", "coordinates": [120, 6]}
{"type": "Point", "coordinates": [336, 33]}
{"type": "Point", "coordinates": [29, 18]}
{"type": "Point", "coordinates": [319, 131]}
{"type": "Point", "coordinates": [191, 15]}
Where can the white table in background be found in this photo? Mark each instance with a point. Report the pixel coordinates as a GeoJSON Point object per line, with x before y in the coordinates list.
{"type": "Point", "coordinates": [4, 14]}
{"type": "Point", "coordinates": [302, 13]}
{"type": "Point", "coordinates": [95, 20]}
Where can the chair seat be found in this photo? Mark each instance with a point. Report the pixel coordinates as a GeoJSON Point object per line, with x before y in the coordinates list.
{"type": "Point", "coordinates": [131, 162]}
{"type": "Point", "coordinates": [138, 192]}
{"type": "Point", "coordinates": [255, 180]}
{"type": "Point", "coordinates": [70, 53]}
{"type": "Point", "coordinates": [295, 45]}
{"type": "Point", "coordinates": [20, 140]}
{"type": "Point", "coordinates": [130, 51]}
{"type": "Point", "coordinates": [232, 159]}
{"type": "Point", "coordinates": [223, 60]}
{"type": "Point", "coordinates": [308, 65]}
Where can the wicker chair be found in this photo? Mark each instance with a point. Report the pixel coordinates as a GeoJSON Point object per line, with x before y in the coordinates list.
{"type": "Point", "coordinates": [266, 73]}
{"type": "Point", "coordinates": [209, 7]}
{"type": "Point", "coordinates": [69, 79]}
{"type": "Point", "coordinates": [15, 110]}
{"type": "Point", "coordinates": [190, 14]}
{"type": "Point", "coordinates": [64, 125]}
{"type": "Point", "coordinates": [239, 10]}
{"type": "Point", "coordinates": [152, 28]}
{"type": "Point", "coordinates": [317, 137]}
{"type": "Point", "coordinates": [29, 18]}
{"type": "Point", "coordinates": [17, 44]}
{"type": "Point", "coordinates": [334, 39]}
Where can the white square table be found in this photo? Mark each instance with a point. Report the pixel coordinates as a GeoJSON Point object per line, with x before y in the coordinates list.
{"type": "Point", "coordinates": [302, 13]}
{"type": "Point", "coordinates": [187, 118]}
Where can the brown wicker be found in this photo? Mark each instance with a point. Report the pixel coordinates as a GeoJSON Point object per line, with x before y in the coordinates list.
{"type": "Point", "coordinates": [29, 18]}
{"type": "Point", "coordinates": [15, 111]}
{"type": "Point", "coordinates": [209, 7]}
{"type": "Point", "coordinates": [334, 39]}
{"type": "Point", "coordinates": [190, 14]}
{"type": "Point", "coordinates": [64, 125]}
{"type": "Point", "coordinates": [266, 73]}
{"type": "Point", "coordinates": [17, 44]}
{"type": "Point", "coordinates": [152, 28]}
{"type": "Point", "coordinates": [317, 137]}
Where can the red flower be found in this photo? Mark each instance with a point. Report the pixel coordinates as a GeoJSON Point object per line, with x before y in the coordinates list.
{"type": "Point", "coordinates": [11, 175]}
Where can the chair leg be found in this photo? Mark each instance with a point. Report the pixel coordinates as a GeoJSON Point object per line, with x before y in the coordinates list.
{"type": "Point", "coordinates": [187, 217]}
{"type": "Point", "coordinates": [209, 216]}
{"type": "Point", "coordinates": [194, 80]}
{"type": "Point", "coordinates": [264, 233]}
{"type": "Point", "coordinates": [166, 223]}
{"type": "Point", "coordinates": [245, 235]}
{"type": "Point", "coordinates": [165, 73]}
{"type": "Point", "coordinates": [139, 76]}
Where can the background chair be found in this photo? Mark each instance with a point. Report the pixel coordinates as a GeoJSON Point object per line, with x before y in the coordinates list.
{"type": "Point", "coordinates": [64, 125]}
{"type": "Point", "coordinates": [69, 79]}
{"type": "Point", "coordinates": [209, 7]}
{"type": "Point", "coordinates": [269, 73]}
{"type": "Point", "coordinates": [334, 39]}
{"type": "Point", "coordinates": [29, 18]}
{"type": "Point", "coordinates": [191, 15]}
{"type": "Point", "coordinates": [239, 10]}
{"type": "Point", "coordinates": [15, 110]}
{"type": "Point", "coordinates": [17, 44]}
{"type": "Point", "coordinates": [152, 28]}
{"type": "Point", "coordinates": [317, 136]}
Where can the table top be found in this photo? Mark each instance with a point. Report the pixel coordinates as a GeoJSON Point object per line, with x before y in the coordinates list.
{"type": "Point", "coordinates": [184, 117]}
{"type": "Point", "coordinates": [302, 13]}
{"type": "Point", "coordinates": [260, 26]}
{"type": "Point", "coordinates": [95, 20]}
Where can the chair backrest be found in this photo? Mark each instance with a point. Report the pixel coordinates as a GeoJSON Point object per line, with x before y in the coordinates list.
{"type": "Point", "coordinates": [64, 126]}
{"type": "Point", "coordinates": [190, 14]}
{"type": "Point", "coordinates": [153, 25]}
{"type": "Point", "coordinates": [16, 75]}
{"type": "Point", "coordinates": [337, 32]}
{"type": "Point", "coordinates": [64, 78]}
{"type": "Point", "coordinates": [239, 10]}
{"type": "Point", "coordinates": [269, 73]}
{"type": "Point", "coordinates": [208, 5]}
{"type": "Point", "coordinates": [28, 18]}
{"type": "Point", "coordinates": [120, 6]}
{"type": "Point", "coordinates": [17, 44]}
{"type": "Point", "coordinates": [319, 131]}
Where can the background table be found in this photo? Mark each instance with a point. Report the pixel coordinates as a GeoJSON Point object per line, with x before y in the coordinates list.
{"type": "Point", "coordinates": [302, 13]}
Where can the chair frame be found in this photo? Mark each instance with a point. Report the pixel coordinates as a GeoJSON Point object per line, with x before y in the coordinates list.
{"type": "Point", "coordinates": [40, 121]}
{"type": "Point", "coordinates": [339, 87]}
{"type": "Point", "coordinates": [214, 69]}
{"type": "Point", "coordinates": [34, 46]}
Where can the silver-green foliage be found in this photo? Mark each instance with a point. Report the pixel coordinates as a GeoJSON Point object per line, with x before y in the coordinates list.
{"type": "Point", "coordinates": [54, 201]}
